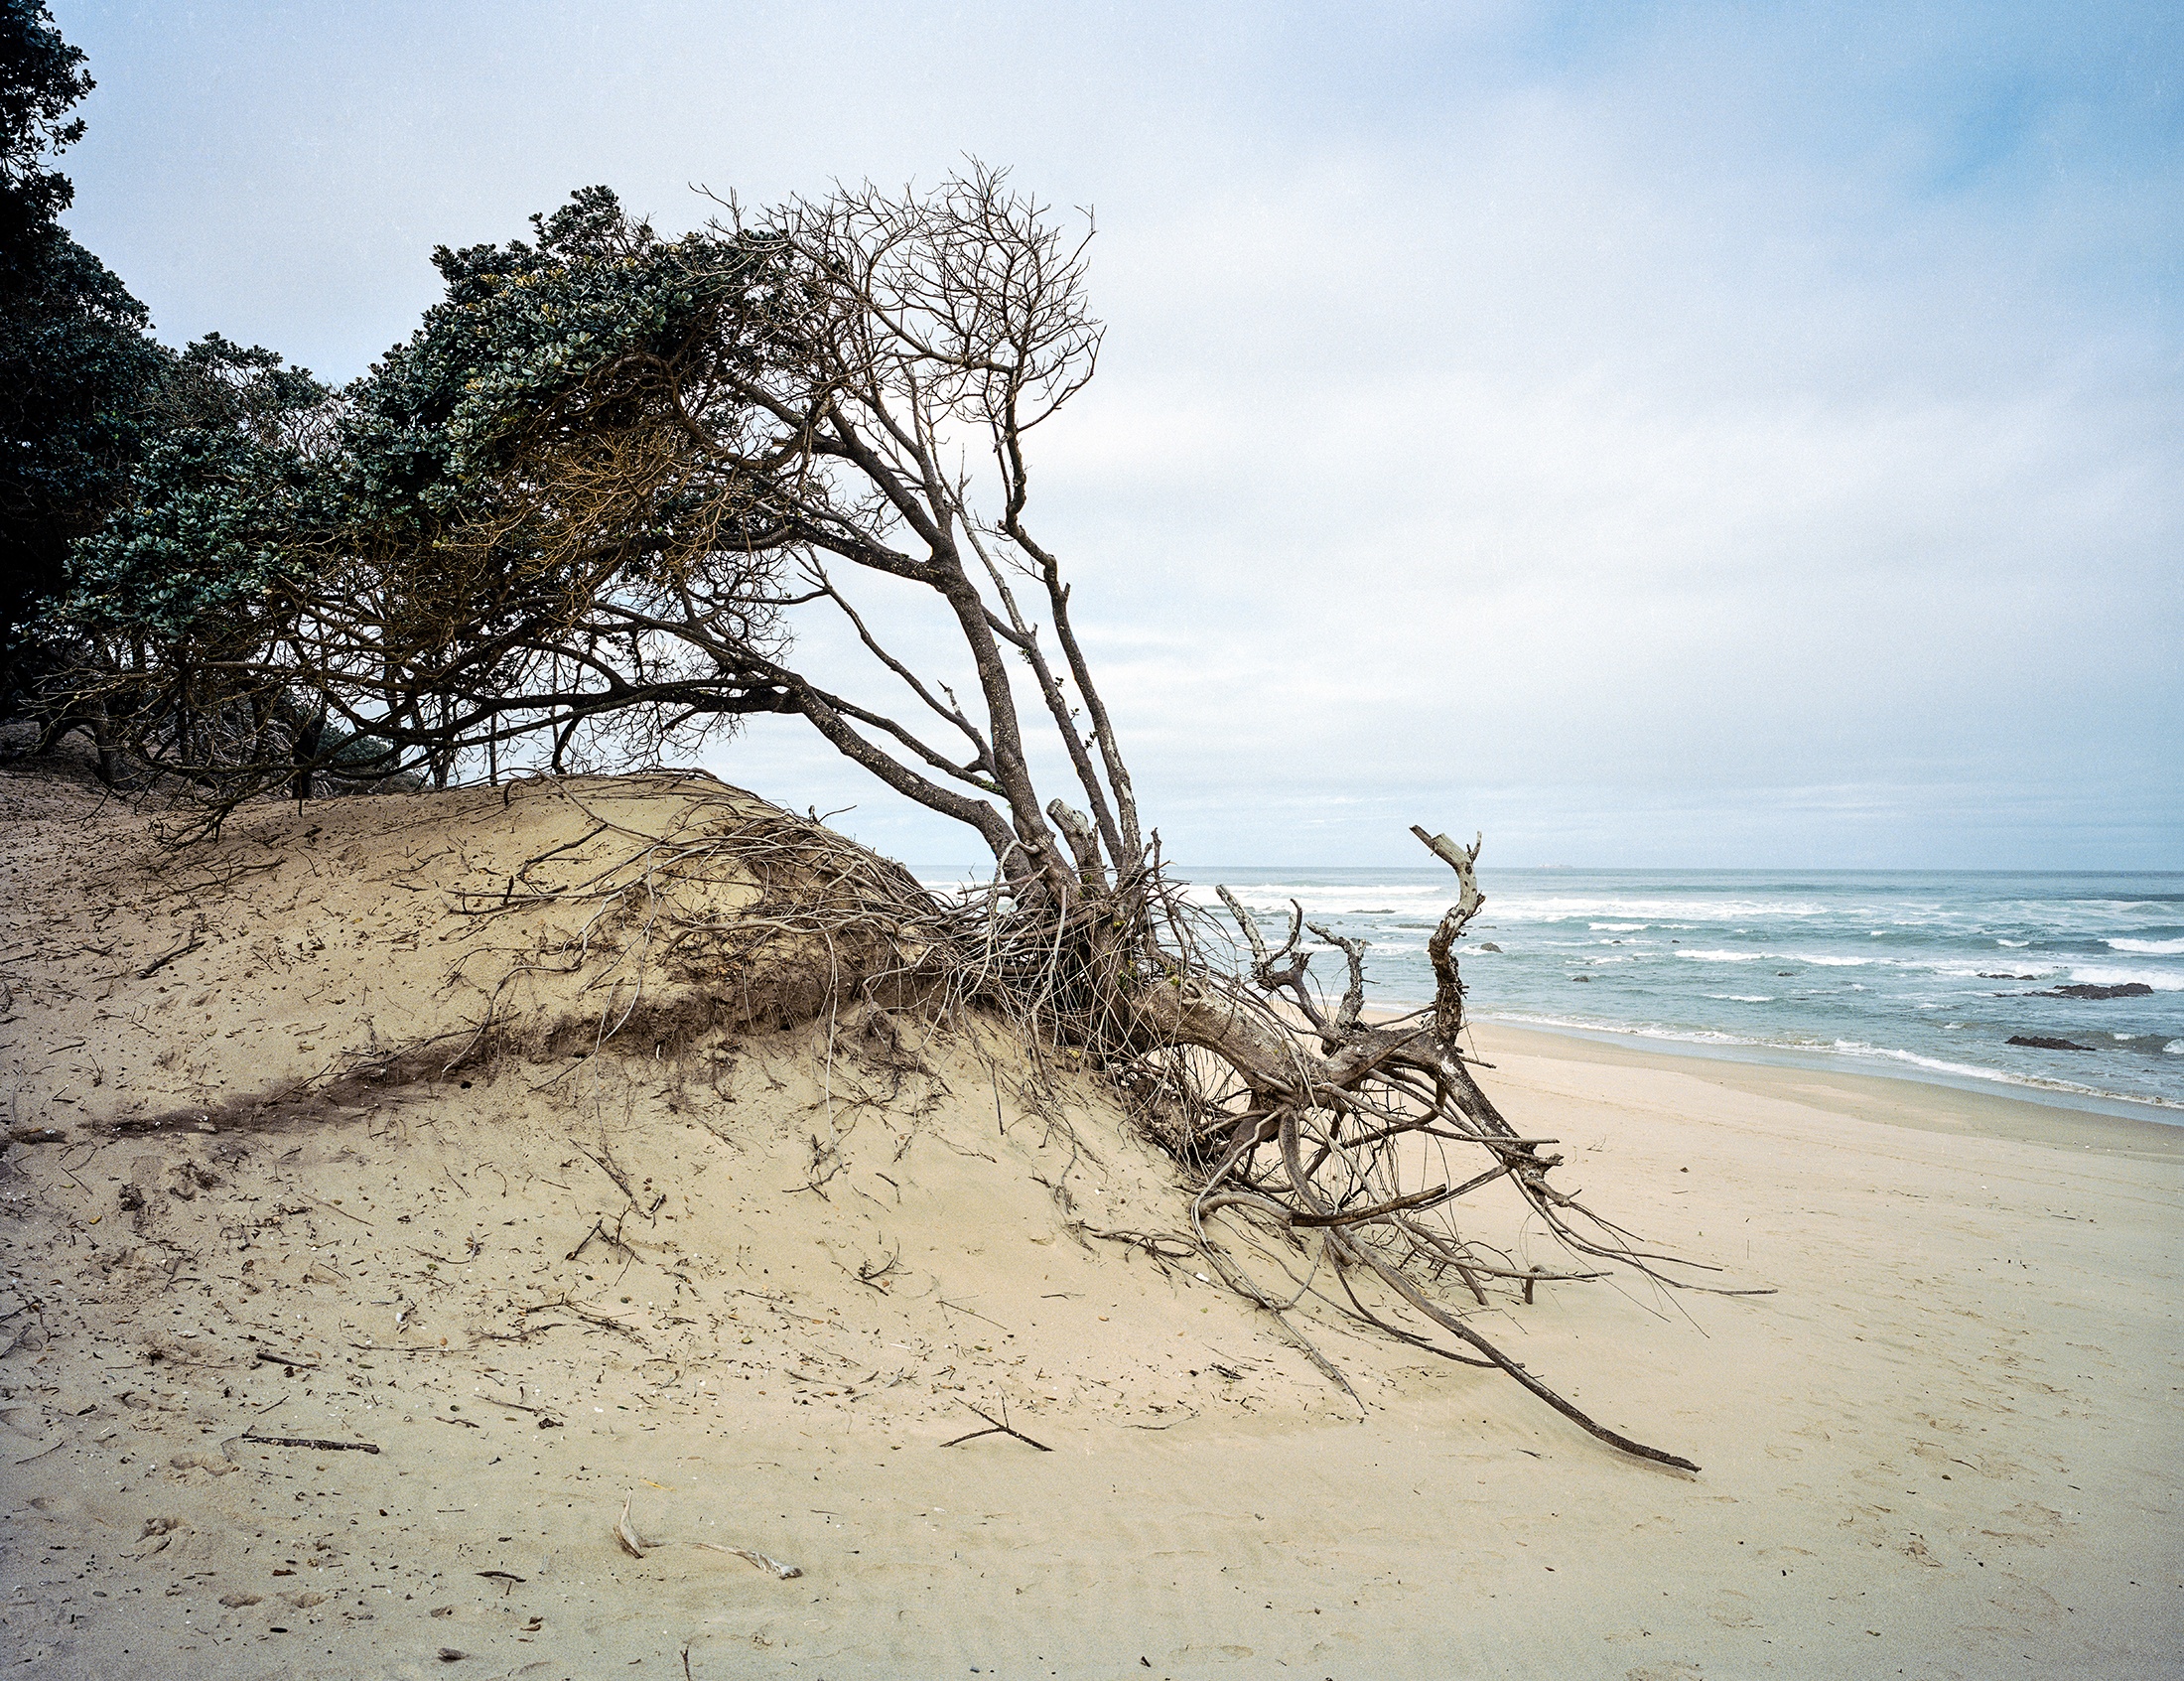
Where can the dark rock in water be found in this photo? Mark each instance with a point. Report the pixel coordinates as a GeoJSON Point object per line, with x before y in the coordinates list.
{"type": "Point", "coordinates": [1580, 977]}
{"type": "Point", "coordinates": [1785, 971]}
{"type": "Point", "coordinates": [1489, 945]}
{"type": "Point", "coordinates": [2040, 1041]}
{"type": "Point", "coordinates": [1986, 975]}
{"type": "Point", "coordinates": [2128, 989]}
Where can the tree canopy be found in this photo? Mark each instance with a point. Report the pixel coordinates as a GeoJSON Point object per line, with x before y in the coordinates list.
{"type": "Point", "coordinates": [77, 358]}
{"type": "Point", "coordinates": [42, 79]}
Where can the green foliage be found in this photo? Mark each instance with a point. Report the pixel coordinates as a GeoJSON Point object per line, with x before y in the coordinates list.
{"type": "Point", "coordinates": [76, 368]}
{"type": "Point", "coordinates": [524, 330]}
{"type": "Point", "coordinates": [77, 361]}
{"type": "Point", "coordinates": [514, 523]}
{"type": "Point", "coordinates": [42, 79]}
{"type": "Point", "coordinates": [211, 515]}
{"type": "Point", "coordinates": [142, 492]}
{"type": "Point", "coordinates": [228, 473]}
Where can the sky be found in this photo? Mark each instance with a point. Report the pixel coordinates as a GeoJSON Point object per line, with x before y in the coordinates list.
{"type": "Point", "coordinates": [1652, 435]}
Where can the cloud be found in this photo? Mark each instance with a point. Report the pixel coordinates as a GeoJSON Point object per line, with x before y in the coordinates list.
{"type": "Point", "coordinates": [1685, 435]}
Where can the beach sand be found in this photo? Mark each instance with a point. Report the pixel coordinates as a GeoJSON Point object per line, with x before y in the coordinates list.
{"type": "Point", "coordinates": [1947, 1445]}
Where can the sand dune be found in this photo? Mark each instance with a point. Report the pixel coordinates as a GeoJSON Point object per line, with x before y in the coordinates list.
{"type": "Point", "coordinates": [750, 1271]}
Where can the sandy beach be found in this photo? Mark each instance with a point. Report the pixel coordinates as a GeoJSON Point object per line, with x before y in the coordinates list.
{"type": "Point", "coordinates": [748, 1284]}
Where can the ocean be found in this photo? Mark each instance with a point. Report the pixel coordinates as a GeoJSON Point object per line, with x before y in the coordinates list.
{"type": "Point", "coordinates": [1918, 974]}
{"type": "Point", "coordinates": [1923, 975]}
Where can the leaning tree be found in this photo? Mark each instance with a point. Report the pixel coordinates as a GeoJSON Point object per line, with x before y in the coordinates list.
{"type": "Point", "coordinates": [585, 510]}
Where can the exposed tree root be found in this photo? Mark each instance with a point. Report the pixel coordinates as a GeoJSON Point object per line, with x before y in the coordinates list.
{"type": "Point", "coordinates": [1304, 1131]}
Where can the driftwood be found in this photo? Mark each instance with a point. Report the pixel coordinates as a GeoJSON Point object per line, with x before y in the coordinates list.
{"type": "Point", "coordinates": [637, 1546]}
{"type": "Point", "coordinates": [316, 1443]}
{"type": "Point", "coordinates": [996, 1427]}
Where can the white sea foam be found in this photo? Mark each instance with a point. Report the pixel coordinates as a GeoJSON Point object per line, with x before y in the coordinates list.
{"type": "Point", "coordinates": [1965, 1070]}
{"type": "Point", "coordinates": [1522, 906]}
{"type": "Point", "coordinates": [2148, 947]}
{"type": "Point", "coordinates": [1743, 997]}
{"type": "Point", "coordinates": [1643, 1030]}
{"type": "Point", "coordinates": [1843, 1047]}
{"type": "Point", "coordinates": [1981, 969]}
{"type": "Point", "coordinates": [1724, 956]}
{"type": "Point", "coordinates": [2161, 980]}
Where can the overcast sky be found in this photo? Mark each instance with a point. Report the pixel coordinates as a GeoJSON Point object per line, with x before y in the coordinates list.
{"type": "Point", "coordinates": [1655, 435]}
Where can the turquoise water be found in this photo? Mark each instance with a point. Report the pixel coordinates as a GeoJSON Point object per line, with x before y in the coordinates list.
{"type": "Point", "coordinates": [1924, 975]}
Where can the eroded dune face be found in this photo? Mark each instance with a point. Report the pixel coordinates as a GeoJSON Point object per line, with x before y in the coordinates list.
{"type": "Point", "coordinates": [470, 1072]}
{"type": "Point", "coordinates": [394, 938]}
